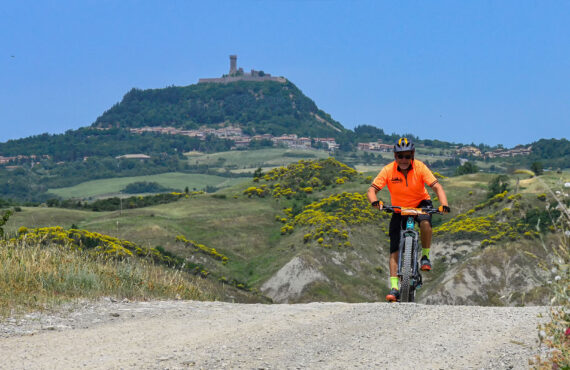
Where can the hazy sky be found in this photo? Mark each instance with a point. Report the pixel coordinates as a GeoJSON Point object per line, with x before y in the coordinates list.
{"type": "Point", "coordinates": [496, 72]}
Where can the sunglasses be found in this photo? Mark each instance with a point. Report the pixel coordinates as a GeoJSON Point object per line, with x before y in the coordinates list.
{"type": "Point", "coordinates": [407, 156]}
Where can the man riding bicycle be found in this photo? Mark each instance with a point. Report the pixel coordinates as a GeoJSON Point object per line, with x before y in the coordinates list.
{"type": "Point", "coordinates": [406, 178]}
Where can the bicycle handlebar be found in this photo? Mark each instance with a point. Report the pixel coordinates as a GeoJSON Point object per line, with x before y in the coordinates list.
{"type": "Point", "coordinates": [411, 210]}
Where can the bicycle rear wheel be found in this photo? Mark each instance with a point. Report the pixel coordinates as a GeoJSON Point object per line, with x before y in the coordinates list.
{"type": "Point", "coordinates": [406, 290]}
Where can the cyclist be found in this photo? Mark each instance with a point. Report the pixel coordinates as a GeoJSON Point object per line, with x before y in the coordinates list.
{"type": "Point", "coordinates": [406, 178]}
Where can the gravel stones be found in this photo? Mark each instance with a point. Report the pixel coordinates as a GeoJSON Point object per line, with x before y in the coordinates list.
{"type": "Point", "coordinates": [182, 334]}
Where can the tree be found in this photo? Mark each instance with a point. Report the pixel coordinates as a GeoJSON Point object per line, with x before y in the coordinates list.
{"type": "Point", "coordinates": [257, 174]}
{"type": "Point", "coordinates": [3, 221]}
{"type": "Point", "coordinates": [466, 168]}
{"type": "Point", "coordinates": [498, 185]}
{"type": "Point", "coordinates": [537, 168]}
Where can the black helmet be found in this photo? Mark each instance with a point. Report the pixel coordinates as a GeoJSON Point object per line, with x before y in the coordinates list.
{"type": "Point", "coordinates": [404, 145]}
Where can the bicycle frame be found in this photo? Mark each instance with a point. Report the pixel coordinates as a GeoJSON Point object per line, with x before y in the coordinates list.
{"type": "Point", "coordinates": [415, 276]}
{"type": "Point", "coordinates": [409, 249]}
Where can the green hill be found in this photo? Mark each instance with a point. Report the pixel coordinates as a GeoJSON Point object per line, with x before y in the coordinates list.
{"type": "Point", "coordinates": [267, 107]}
{"type": "Point", "coordinates": [305, 232]}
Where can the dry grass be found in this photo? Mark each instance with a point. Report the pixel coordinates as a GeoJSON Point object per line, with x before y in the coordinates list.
{"type": "Point", "coordinates": [555, 334]}
{"type": "Point", "coordinates": [39, 277]}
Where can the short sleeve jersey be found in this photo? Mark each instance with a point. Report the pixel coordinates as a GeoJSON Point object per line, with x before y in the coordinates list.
{"type": "Point", "coordinates": [406, 191]}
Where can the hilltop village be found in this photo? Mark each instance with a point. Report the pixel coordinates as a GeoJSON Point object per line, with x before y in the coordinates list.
{"type": "Point", "coordinates": [292, 141]}
{"type": "Point", "coordinates": [237, 74]}
{"type": "Point", "coordinates": [242, 140]}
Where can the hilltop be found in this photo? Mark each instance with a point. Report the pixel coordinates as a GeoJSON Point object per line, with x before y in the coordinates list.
{"type": "Point", "coordinates": [265, 107]}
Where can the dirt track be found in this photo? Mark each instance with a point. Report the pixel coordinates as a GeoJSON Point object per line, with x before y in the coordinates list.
{"type": "Point", "coordinates": [181, 334]}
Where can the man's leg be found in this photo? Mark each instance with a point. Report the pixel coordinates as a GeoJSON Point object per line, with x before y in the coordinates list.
{"type": "Point", "coordinates": [393, 261]}
{"type": "Point", "coordinates": [425, 236]}
{"type": "Point", "coordinates": [394, 266]}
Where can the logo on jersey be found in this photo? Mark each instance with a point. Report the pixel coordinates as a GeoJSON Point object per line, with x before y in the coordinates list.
{"type": "Point", "coordinates": [396, 180]}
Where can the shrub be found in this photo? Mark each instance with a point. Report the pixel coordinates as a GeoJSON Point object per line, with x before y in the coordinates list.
{"type": "Point", "coordinates": [3, 221]}
{"type": "Point", "coordinates": [329, 217]}
{"type": "Point", "coordinates": [144, 187]}
{"type": "Point", "coordinates": [499, 184]}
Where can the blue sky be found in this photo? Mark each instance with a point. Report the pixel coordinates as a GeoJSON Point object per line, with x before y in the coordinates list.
{"type": "Point", "coordinates": [494, 72]}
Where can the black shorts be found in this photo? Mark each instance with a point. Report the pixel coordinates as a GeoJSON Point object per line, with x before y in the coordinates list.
{"type": "Point", "coordinates": [396, 225]}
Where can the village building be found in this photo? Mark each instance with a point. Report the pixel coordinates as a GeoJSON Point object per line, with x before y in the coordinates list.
{"type": "Point", "coordinates": [469, 151]}
{"type": "Point", "coordinates": [503, 153]}
{"type": "Point", "coordinates": [375, 146]}
{"type": "Point", "coordinates": [328, 141]}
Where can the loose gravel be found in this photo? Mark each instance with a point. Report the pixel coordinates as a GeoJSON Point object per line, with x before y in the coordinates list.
{"type": "Point", "coordinates": [211, 335]}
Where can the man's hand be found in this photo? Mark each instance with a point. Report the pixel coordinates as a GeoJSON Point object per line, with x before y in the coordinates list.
{"type": "Point", "coordinates": [378, 204]}
{"type": "Point", "coordinates": [444, 209]}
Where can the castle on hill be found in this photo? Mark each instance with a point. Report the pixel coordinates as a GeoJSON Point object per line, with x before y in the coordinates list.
{"type": "Point", "coordinates": [237, 74]}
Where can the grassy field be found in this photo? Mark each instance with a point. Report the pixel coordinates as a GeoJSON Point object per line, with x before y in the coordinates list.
{"type": "Point", "coordinates": [236, 161]}
{"type": "Point", "coordinates": [174, 180]}
{"type": "Point", "coordinates": [243, 229]}
{"type": "Point", "coordinates": [252, 159]}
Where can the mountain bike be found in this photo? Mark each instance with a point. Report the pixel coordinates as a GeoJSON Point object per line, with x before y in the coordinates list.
{"type": "Point", "coordinates": [409, 250]}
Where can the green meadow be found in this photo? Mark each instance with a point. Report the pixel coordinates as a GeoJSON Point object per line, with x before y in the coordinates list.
{"type": "Point", "coordinates": [252, 159]}
{"type": "Point", "coordinates": [174, 180]}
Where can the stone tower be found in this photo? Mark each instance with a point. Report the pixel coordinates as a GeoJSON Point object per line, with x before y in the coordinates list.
{"type": "Point", "coordinates": [233, 64]}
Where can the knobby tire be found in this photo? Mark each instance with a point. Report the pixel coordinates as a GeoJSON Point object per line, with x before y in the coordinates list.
{"type": "Point", "coordinates": [405, 288]}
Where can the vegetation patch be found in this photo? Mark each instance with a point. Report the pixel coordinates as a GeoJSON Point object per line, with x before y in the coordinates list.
{"type": "Point", "coordinates": [302, 177]}
{"type": "Point", "coordinates": [509, 223]}
{"type": "Point", "coordinates": [102, 246]}
{"type": "Point", "coordinates": [202, 248]}
{"type": "Point", "coordinates": [116, 203]}
{"type": "Point", "coordinates": [40, 275]}
{"type": "Point", "coordinates": [145, 187]}
{"type": "Point", "coordinates": [328, 220]}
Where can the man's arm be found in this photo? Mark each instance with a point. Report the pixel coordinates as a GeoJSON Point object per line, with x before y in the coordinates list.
{"type": "Point", "coordinates": [371, 194]}
{"type": "Point", "coordinates": [440, 194]}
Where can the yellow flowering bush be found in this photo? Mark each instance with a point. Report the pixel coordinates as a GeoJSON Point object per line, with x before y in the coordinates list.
{"type": "Point", "coordinates": [306, 175]}
{"type": "Point", "coordinates": [328, 218]}
{"type": "Point", "coordinates": [504, 224]}
{"type": "Point", "coordinates": [100, 245]}
{"type": "Point", "coordinates": [202, 249]}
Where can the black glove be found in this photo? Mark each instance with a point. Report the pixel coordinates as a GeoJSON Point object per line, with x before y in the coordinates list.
{"type": "Point", "coordinates": [444, 209]}
{"type": "Point", "coordinates": [377, 203]}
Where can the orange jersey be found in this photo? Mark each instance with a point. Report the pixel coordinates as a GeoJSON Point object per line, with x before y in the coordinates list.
{"type": "Point", "coordinates": [405, 191]}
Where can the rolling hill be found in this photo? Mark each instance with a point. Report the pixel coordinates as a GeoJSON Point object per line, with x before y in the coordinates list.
{"type": "Point", "coordinates": [305, 233]}
{"type": "Point", "coordinates": [267, 107]}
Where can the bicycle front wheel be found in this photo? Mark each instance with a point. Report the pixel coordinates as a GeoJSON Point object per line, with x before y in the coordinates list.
{"type": "Point", "coordinates": [406, 290]}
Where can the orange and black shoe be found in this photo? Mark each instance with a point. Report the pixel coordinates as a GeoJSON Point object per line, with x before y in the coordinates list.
{"type": "Point", "coordinates": [425, 264]}
{"type": "Point", "coordinates": [393, 296]}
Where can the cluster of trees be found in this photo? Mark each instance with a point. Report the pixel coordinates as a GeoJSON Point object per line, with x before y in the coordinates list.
{"type": "Point", "coordinates": [78, 144]}
{"type": "Point", "coordinates": [145, 187]}
{"type": "Point", "coordinates": [260, 107]}
{"type": "Point", "coordinates": [115, 203]}
{"type": "Point", "coordinates": [557, 152]}
{"type": "Point", "coordinates": [466, 168]}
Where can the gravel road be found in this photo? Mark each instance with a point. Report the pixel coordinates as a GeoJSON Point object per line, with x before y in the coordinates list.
{"type": "Point", "coordinates": [209, 335]}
